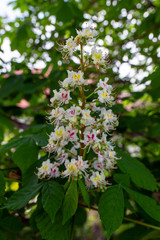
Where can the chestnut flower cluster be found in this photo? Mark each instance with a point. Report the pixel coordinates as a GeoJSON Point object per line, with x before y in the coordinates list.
{"type": "Point", "coordinates": [80, 140]}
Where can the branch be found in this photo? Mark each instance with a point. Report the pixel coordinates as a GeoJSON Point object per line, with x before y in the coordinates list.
{"type": "Point", "coordinates": [19, 124]}
{"type": "Point", "coordinates": [125, 218]}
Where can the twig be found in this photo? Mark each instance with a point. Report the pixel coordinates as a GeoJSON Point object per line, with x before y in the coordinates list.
{"type": "Point", "coordinates": [125, 218]}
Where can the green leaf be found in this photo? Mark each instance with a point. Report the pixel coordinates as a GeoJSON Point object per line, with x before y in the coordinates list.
{"type": "Point", "coordinates": [70, 202]}
{"type": "Point", "coordinates": [12, 84]}
{"type": "Point", "coordinates": [53, 231]}
{"type": "Point", "coordinates": [133, 233]}
{"type": "Point", "coordinates": [111, 209]}
{"type": "Point", "coordinates": [81, 217]}
{"type": "Point", "coordinates": [2, 185]}
{"type": "Point", "coordinates": [64, 12]}
{"type": "Point", "coordinates": [25, 155]}
{"type": "Point", "coordinates": [152, 235]}
{"type": "Point", "coordinates": [20, 198]}
{"type": "Point", "coordinates": [84, 192]}
{"type": "Point", "coordinates": [137, 171]}
{"type": "Point", "coordinates": [2, 235]}
{"type": "Point", "coordinates": [121, 178]}
{"type": "Point", "coordinates": [14, 142]}
{"type": "Point", "coordinates": [52, 197]}
{"type": "Point", "coordinates": [154, 77]}
{"type": "Point", "coordinates": [6, 122]}
{"type": "Point", "coordinates": [148, 204]}
{"type": "Point", "coordinates": [11, 224]}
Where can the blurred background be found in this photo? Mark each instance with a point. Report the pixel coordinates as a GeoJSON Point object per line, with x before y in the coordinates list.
{"type": "Point", "coordinates": [30, 69]}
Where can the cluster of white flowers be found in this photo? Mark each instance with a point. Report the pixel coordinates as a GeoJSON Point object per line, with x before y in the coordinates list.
{"type": "Point", "coordinates": [80, 140]}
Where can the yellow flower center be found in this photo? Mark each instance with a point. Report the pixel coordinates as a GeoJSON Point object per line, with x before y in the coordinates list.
{"type": "Point", "coordinates": [76, 76]}
{"type": "Point", "coordinates": [87, 115]}
{"type": "Point", "coordinates": [97, 178]}
{"type": "Point", "coordinates": [68, 43]}
{"type": "Point", "coordinates": [105, 94]}
{"type": "Point", "coordinates": [109, 115]}
{"type": "Point", "coordinates": [71, 168]}
{"type": "Point", "coordinates": [98, 56]}
{"type": "Point", "coordinates": [59, 133]}
{"type": "Point", "coordinates": [57, 112]}
{"type": "Point", "coordinates": [45, 167]}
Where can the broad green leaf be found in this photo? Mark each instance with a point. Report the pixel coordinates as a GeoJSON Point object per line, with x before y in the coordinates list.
{"type": "Point", "coordinates": [70, 202]}
{"type": "Point", "coordinates": [6, 122]}
{"type": "Point", "coordinates": [12, 84]}
{"type": "Point", "coordinates": [11, 224]}
{"type": "Point", "coordinates": [111, 209]}
{"type": "Point", "coordinates": [121, 178]}
{"type": "Point", "coordinates": [25, 155]}
{"type": "Point", "coordinates": [29, 176]}
{"type": "Point", "coordinates": [52, 197]}
{"type": "Point", "coordinates": [134, 233]}
{"type": "Point", "coordinates": [81, 217]}
{"type": "Point", "coordinates": [154, 77]}
{"type": "Point", "coordinates": [137, 171]}
{"type": "Point", "coordinates": [2, 185]}
{"type": "Point", "coordinates": [2, 237]}
{"type": "Point", "coordinates": [13, 143]}
{"type": "Point", "coordinates": [64, 13]}
{"type": "Point", "coordinates": [2, 130]}
{"type": "Point", "coordinates": [53, 231]}
{"type": "Point", "coordinates": [20, 198]}
{"type": "Point", "coordinates": [152, 235]}
{"type": "Point", "coordinates": [154, 131]}
{"type": "Point", "coordinates": [84, 192]}
{"type": "Point", "coordinates": [148, 204]}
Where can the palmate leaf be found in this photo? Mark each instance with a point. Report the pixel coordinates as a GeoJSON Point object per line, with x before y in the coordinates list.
{"type": "Point", "coordinates": [70, 202]}
{"type": "Point", "coordinates": [52, 197]}
{"type": "Point", "coordinates": [111, 209]}
{"type": "Point", "coordinates": [20, 198]}
{"type": "Point", "coordinates": [53, 231]}
{"type": "Point", "coordinates": [137, 171]}
{"type": "Point", "coordinates": [148, 204]}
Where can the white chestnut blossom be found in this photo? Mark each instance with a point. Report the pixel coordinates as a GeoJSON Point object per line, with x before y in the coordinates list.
{"type": "Point", "coordinates": [61, 97]}
{"type": "Point", "coordinates": [69, 47]}
{"type": "Point", "coordinates": [48, 170]}
{"type": "Point", "coordinates": [75, 168]}
{"type": "Point", "coordinates": [82, 121]}
{"type": "Point", "coordinates": [104, 85]}
{"type": "Point", "coordinates": [88, 33]}
{"type": "Point", "coordinates": [86, 117]}
{"type": "Point", "coordinates": [72, 112]}
{"type": "Point", "coordinates": [90, 138]}
{"type": "Point", "coordinates": [56, 115]}
{"type": "Point", "coordinates": [98, 179]}
{"type": "Point", "coordinates": [105, 96]}
{"type": "Point", "coordinates": [76, 78]}
{"type": "Point", "coordinates": [97, 57]}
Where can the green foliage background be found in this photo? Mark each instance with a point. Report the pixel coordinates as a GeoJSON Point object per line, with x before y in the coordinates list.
{"type": "Point", "coordinates": [130, 30]}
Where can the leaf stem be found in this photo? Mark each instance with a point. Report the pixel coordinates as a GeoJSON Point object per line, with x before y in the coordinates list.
{"type": "Point", "coordinates": [141, 223]}
{"type": "Point", "coordinates": [92, 93]}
